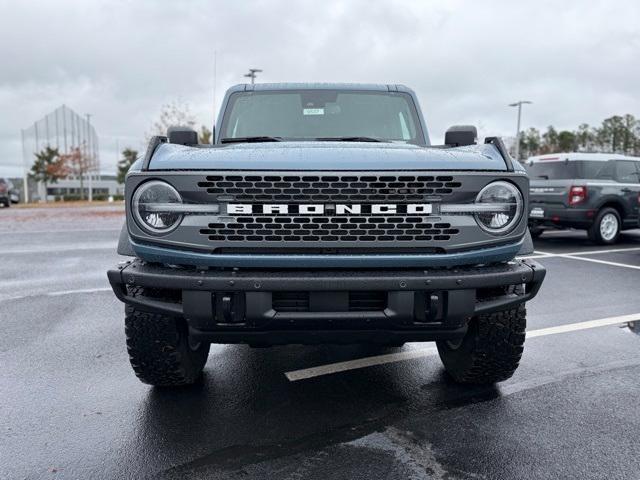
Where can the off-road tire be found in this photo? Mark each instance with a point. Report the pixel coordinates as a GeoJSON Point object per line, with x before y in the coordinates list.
{"type": "Point", "coordinates": [595, 235]}
{"type": "Point", "coordinates": [159, 348]}
{"type": "Point", "coordinates": [490, 350]}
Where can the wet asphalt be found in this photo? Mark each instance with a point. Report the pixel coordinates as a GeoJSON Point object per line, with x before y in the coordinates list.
{"type": "Point", "coordinates": [71, 407]}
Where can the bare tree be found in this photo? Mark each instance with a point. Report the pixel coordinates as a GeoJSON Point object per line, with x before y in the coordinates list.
{"type": "Point", "coordinates": [172, 114]}
{"type": "Point", "coordinates": [205, 135]}
{"type": "Point", "coordinates": [78, 164]}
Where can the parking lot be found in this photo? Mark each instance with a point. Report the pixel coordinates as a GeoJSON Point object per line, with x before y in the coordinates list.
{"type": "Point", "coordinates": [72, 408]}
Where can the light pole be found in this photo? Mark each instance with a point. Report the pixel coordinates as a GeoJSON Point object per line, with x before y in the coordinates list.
{"type": "Point", "coordinates": [252, 74]}
{"type": "Point", "coordinates": [25, 167]}
{"type": "Point", "coordinates": [519, 105]}
{"type": "Point", "coordinates": [89, 157]}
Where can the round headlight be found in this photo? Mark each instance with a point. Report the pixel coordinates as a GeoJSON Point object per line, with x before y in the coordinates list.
{"type": "Point", "coordinates": [151, 207]}
{"type": "Point", "coordinates": [502, 207]}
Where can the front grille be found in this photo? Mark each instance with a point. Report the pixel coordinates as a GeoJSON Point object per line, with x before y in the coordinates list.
{"type": "Point", "coordinates": [357, 301]}
{"type": "Point", "coordinates": [329, 229]}
{"type": "Point", "coordinates": [338, 188]}
{"type": "Point", "coordinates": [367, 301]}
{"type": "Point", "coordinates": [393, 230]}
{"type": "Point", "coordinates": [290, 301]}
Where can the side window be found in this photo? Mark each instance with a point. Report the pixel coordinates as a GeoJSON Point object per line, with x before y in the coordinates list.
{"type": "Point", "coordinates": [607, 171]}
{"type": "Point", "coordinates": [626, 172]}
{"type": "Point", "coordinates": [403, 127]}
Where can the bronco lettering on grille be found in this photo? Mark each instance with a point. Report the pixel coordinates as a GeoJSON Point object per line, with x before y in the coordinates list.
{"type": "Point", "coordinates": [332, 209]}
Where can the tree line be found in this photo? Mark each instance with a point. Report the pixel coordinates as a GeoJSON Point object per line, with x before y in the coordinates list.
{"type": "Point", "coordinates": [616, 134]}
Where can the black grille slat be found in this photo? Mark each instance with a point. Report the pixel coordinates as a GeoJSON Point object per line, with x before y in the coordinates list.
{"type": "Point", "coordinates": [307, 189]}
{"type": "Point", "coordinates": [367, 301]}
{"type": "Point", "coordinates": [358, 301]}
{"type": "Point", "coordinates": [335, 229]}
{"type": "Point", "coordinates": [290, 301]}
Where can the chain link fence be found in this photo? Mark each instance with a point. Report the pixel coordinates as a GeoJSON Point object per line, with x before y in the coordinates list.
{"type": "Point", "coordinates": [64, 130]}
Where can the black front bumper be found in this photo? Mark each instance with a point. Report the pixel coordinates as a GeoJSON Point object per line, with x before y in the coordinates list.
{"type": "Point", "coordinates": [245, 306]}
{"type": "Point", "coordinates": [561, 217]}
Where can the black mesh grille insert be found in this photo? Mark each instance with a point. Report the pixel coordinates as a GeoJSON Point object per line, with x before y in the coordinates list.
{"type": "Point", "coordinates": [367, 301]}
{"type": "Point", "coordinates": [336, 188]}
{"type": "Point", "coordinates": [358, 301]}
{"type": "Point", "coordinates": [290, 301]}
{"type": "Point", "coordinates": [319, 228]}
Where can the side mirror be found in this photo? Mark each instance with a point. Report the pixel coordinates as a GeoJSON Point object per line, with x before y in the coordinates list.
{"type": "Point", "coordinates": [461, 135]}
{"type": "Point", "coordinates": [182, 135]}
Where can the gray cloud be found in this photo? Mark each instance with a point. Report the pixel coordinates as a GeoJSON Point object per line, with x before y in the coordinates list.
{"type": "Point", "coordinates": [121, 60]}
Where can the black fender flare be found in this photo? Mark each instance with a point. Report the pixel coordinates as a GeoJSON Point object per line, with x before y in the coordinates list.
{"type": "Point", "coordinates": [124, 244]}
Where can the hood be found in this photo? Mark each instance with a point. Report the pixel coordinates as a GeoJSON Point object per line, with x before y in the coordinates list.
{"type": "Point", "coordinates": [334, 156]}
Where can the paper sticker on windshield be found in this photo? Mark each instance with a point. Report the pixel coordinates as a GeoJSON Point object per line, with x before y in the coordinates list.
{"type": "Point", "coordinates": [313, 111]}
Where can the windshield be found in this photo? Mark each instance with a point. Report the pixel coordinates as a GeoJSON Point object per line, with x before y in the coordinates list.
{"type": "Point", "coordinates": [584, 169]}
{"type": "Point", "coordinates": [322, 115]}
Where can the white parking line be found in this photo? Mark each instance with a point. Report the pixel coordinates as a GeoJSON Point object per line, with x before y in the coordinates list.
{"type": "Point", "coordinates": [603, 262]}
{"type": "Point", "coordinates": [306, 373]}
{"type": "Point", "coordinates": [68, 248]}
{"type": "Point", "coordinates": [59, 293]}
{"type": "Point", "coordinates": [296, 375]}
{"type": "Point", "coordinates": [540, 254]}
{"type": "Point", "coordinates": [39, 232]}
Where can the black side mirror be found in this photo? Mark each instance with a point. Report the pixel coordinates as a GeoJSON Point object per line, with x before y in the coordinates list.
{"type": "Point", "coordinates": [461, 135]}
{"type": "Point", "coordinates": [182, 135]}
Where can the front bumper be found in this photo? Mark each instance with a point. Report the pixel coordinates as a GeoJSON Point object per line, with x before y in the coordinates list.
{"type": "Point", "coordinates": [561, 217]}
{"type": "Point", "coordinates": [240, 306]}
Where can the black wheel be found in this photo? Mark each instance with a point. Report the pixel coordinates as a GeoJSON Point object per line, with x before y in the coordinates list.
{"type": "Point", "coordinates": [536, 232]}
{"type": "Point", "coordinates": [491, 349]}
{"type": "Point", "coordinates": [6, 203]}
{"type": "Point", "coordinates": [606, 227]}
{"type": "Point", "coordinates": [160, 350]}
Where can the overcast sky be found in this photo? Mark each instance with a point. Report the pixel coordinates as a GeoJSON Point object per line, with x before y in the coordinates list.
{"type": "Point", "coordinates": [578, 61]}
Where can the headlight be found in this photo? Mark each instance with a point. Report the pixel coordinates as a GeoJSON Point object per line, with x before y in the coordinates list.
{"type": "Point", "coordinates": [504, 205]}
{"type": "Point", "coordinates": [151, 207]}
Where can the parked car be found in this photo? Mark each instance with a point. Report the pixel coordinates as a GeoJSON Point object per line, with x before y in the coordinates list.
{"type": "Point", "coordinates": [8, 193]}
{"type": "Point", "coordinates": [323, 214]}
{"type": "Point", "coordinates": [596, 192]}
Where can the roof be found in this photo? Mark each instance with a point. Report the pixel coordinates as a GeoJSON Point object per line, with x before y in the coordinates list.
{"type": "Point", "coordinates": [380, 87]}
{"type": "Point", "coordinates": [576, 156]}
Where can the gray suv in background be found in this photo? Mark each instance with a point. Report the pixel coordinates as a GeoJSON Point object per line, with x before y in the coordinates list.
{"type": "Point", "coordinates": [597, 192]}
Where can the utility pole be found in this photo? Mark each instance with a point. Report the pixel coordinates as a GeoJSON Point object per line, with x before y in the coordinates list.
{"type": "Point", "coordinates": [519, 104]}
{"type": "Point", "coordinates": [215, 75]}
{"type": "Point", "coordinates": [89, 157]}
{"type": "Point", "coordinates": [25, 166]}
{"type": "Point", "coordinates": [252, 74]}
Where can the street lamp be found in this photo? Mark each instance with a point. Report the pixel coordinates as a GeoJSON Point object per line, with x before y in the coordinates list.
{"type": "Point", "coordinates": [252, 74]}
{"type": "Point", "coordinates": [88, 158]}
{"type": "Point", "coordinates": [519, 105]}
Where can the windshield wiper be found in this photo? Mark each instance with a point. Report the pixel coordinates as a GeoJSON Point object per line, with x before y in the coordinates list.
{"type": "Point", "coordinates": [250, 139]}
{"type": "Point", "coordinates": [349, 139]}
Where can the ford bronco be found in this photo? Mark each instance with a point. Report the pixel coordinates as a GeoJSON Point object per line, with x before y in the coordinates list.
{"type": "Point", "coordinates": [321, 213]}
